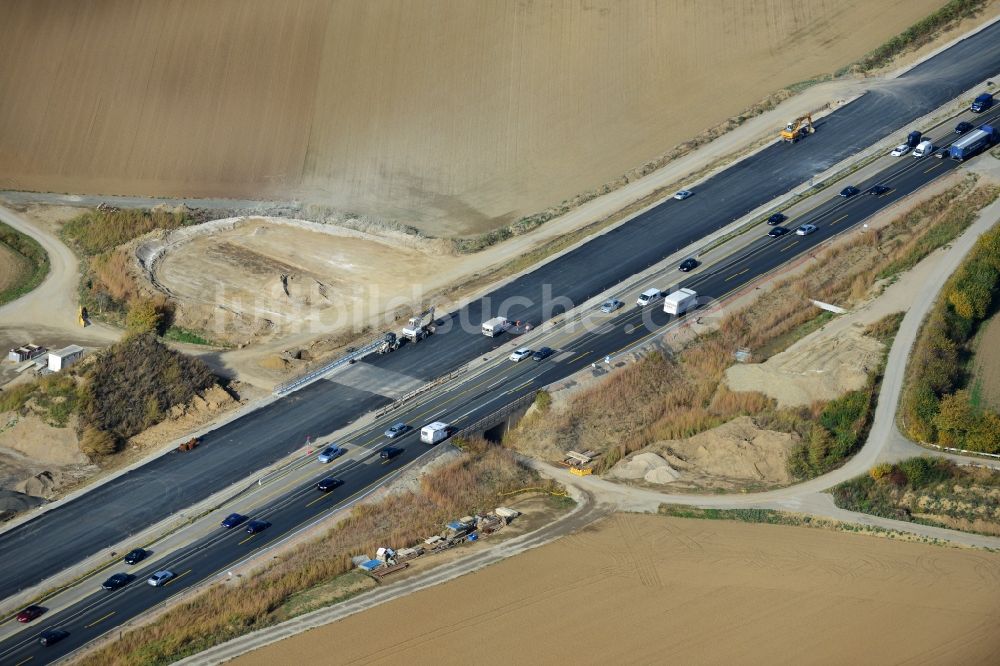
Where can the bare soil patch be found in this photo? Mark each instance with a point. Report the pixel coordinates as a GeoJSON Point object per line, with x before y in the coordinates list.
{"type": "Point", "coordinates": [738, 455]}
{"type": "Point", "coordinates": [456, 116]}
{"type": "Point", "coordinates": [698, 591]}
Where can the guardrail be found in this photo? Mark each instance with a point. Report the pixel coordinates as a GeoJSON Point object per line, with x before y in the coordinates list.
{"type": "Point", "coordinates": [312, 375]}
{"type": "Point", "coordinates": [496, 417]}
{"type": "Point", "coordinates": [403, 399]}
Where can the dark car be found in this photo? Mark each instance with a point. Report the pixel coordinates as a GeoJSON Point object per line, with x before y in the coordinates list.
{"type": "Point", "coordinates": [879, 189]}
{"type": "Point", "coordinates": [395, 430]}
{"type": "Point", "coordinates": [777, 232]}
{"type": "Point", "coordinates": [135, 556]}
{"type": "Point", "coordinates": [255, 526]}
{"type": "Point", "coordinates": [777, 218]}
{"type": "Point", "coordinates": [542, 354]}
{"type": "Point", "coordinates": [688, 265]}
{"type": "Point", "coordinates": [849, 191]}
{"type": "Point", "coordinates": [50, 636]}
{"type": "Point", "coordinates": [389, 452]}
{"type": "Point", "coordinates": [117, 581]}
{"type": "Point", "coordinates": [30, 613]}
{"type": "Point", "coordinates": [326, 485]}
{"type": "Point", "coordinates": [963, 127]}
{"type": "Point", "coordinates": [233, 519]}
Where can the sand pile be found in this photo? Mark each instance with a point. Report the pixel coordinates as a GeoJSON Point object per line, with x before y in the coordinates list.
{"type": "Point", "coordinates": [821, 366]}
{"type": "Point", "coordinates": [733, 452]}
{"type": "Point", "coordinates": [647, 466]}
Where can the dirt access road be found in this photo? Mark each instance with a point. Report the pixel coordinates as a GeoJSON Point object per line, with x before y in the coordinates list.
{"type": "Point", "coordinates": [650, 589]}
{"type": "Point", "coordinates": [50, 311]}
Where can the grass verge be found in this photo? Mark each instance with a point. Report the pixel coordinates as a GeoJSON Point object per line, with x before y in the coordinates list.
{"type": "Point", "coordinates": [772, 517]}
{"type": "Point", "coordinates": [35, 259]}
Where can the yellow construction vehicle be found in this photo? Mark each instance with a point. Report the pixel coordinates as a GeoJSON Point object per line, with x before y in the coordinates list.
{"type": "Point", "coordinates": [798, 128]}
{"type": "Point", "coordinates": [81, 316]}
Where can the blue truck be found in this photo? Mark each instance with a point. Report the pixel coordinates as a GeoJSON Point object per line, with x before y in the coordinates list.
{"type": "Point", "coordinates": [978, 139]}
{"type": "Point", "coordinates": [982, 103]}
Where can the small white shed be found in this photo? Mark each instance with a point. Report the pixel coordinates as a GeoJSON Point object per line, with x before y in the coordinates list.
{"type": "Point", "coordinates": [65, 357]}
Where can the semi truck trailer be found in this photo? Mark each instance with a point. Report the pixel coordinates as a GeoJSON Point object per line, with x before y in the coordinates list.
{"type": "Point", "coordinates": [972, 143]}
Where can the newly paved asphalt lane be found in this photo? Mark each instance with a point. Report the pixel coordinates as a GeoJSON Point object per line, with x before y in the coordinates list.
{"type": "Point", "coordinates": [461, 405]}
{"type": "Point", "coordinates": [61, 537]}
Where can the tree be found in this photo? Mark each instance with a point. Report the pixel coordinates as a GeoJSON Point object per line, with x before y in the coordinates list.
{"type": "Point", "coordinates": [145, 315]}
{"type": "Point", "coordinates": [984, 435]}
{"type": "Point", "coordinates": [954, 418]}
{"type": "Point", "coordinates": [880, 471]}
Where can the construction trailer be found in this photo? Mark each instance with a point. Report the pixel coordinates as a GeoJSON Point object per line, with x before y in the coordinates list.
{"type": "Point", "coordinates": [65, 357]}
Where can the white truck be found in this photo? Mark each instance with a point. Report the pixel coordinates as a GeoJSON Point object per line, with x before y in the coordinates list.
{"type": "Point", "coordinates": [419, 327]}
{"type": "Point", "coordinates": [433, 433]}
{"type": "Point", "coordinates": [923, 149]}
{"type": "Point", "coordinates": [680, 301]}
{"type": "Point", "coordinates": [494, 327]}
{"type": "Point", "coordinates": [648, 296]}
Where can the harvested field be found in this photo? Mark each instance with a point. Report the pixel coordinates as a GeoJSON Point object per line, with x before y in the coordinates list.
{"type": "Point", "coordinates": [645, 589]}
{"type": "Point", "coordinates": [986, 366]}
{"type": "Point", "coordinates": [455, 116]}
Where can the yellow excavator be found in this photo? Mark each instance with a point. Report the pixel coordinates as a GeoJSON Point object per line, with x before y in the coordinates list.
{"type": "Point", "coordinates": [798, 128]}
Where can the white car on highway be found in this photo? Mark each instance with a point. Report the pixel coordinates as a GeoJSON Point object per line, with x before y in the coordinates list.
{"type": "Point", "coordinates": [520, 354]}
{"type": "Point", "coordinates": [683, 194]}
{"type": "Point", "coordinates": [900, 150]}
{"type": "Point", "coordinates": [805, 230]}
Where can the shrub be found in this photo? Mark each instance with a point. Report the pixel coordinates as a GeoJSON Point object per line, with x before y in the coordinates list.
{"type": "Point", "coordinates": [13, 398]}
{"type": "Point", "coordinates": [880, 471]}
{"type": "Point", "coordinates": [543, 401]}
{"type": "Point", "coordinates": [147, 315]}
{"type": "Point", "coordinates": [131, 376]}
{"type": "Point", "coordinates": [97, 443]}
{"type": "Point", "coordinates": [96, 232]}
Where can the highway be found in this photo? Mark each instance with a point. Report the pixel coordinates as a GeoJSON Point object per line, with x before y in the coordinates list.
{"type": "Point", "coordinates": [291, 505]}
{"type": "Point", "coordinates": [59, 538]}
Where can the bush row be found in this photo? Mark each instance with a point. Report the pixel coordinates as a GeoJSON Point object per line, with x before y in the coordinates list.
{"type": "Point", "coordinates": [935, 408]}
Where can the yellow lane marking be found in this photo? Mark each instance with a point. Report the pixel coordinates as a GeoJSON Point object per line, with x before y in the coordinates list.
{"type": "Point", "coordinates": [24, 661]}
{"type": "Point", "coordinates": [177, 578]}
{"type": "Point", "coordinates": [736, 275]}
{"type": "Point", "coordinates": [789, 246]}
{"type": "Point", "coordinates": [839, 219]}
{"type": "Point", "coordinates": [932, 167]}
{"type": "Point", "coordinates": [320, 498]}
{"type": "Point", "coordinates": [247, 539]}
{"type": "Point", "coordinates": [88, 626]}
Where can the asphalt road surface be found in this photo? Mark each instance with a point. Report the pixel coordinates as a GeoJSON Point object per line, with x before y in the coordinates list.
{"type": "Point", "coordinates": [460, 405]}
{"type": "Point", "coordinates": [61, 537]}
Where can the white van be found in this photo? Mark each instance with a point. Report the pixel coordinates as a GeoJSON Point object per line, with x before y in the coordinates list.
{"type": "Point", "coordinates": [648, 296]}
{"type": "Point", "coordinates": [923, 149]}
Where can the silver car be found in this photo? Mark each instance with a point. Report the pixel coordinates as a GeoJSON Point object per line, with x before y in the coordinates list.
{"type": "Point", "coordinates": [805, 230]}
{"type": "Point", "coordinates": [395, 430]}
{"type": "Point", "coordinates": [329, 453]}
{"type": "Point", "coordinates": [683, 194]}
{"type": "Point", "coordinates": [611, 306]}
{"type": "Point", "coordinates": [160, 578]}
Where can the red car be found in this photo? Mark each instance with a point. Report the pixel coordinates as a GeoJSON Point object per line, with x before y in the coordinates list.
{"type": "Point", "coordinates": [30, 613]}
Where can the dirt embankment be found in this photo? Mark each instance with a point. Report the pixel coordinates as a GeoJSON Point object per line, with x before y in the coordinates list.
{"type": "Point", "coordinates": [471, 114]}
{"type": "Point", "coordinates": [737, 455]}
{"type": "Point", "coordinates": [648, 589]}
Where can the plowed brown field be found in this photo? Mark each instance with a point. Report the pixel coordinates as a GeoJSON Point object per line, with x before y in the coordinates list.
{"type": "Point", "coordinates": [457, 116]}
{"type": "Point", "coordinates": [654, 590]}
